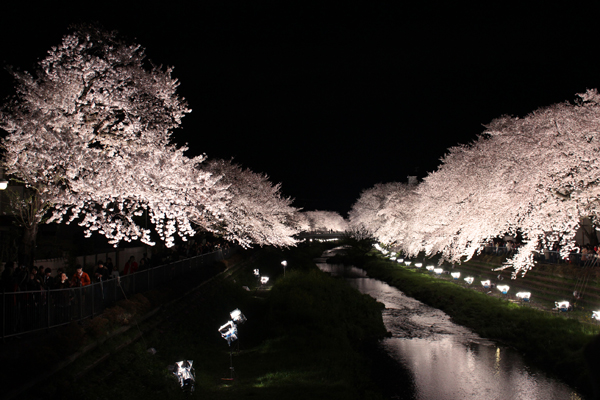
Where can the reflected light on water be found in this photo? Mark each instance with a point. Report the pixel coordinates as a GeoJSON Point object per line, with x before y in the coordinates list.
{"type": "Point", "coordinates": [448, 361]}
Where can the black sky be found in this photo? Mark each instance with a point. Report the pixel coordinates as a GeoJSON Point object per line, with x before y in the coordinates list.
{"type": "Point", "coordinates": [332, 99]}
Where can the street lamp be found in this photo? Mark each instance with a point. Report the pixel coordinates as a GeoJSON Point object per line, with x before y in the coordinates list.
{"type": "Point", "coordinates": [284, 263]}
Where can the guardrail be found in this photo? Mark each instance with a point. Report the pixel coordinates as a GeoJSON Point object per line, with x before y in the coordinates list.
{"type": "Point", "coordinates": [29, 311]}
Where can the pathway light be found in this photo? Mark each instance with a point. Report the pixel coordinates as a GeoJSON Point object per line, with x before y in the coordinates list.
{"type": "Point", "coordinates": [429, 268]}
{"type": "Point", "coordinates": [486, 284]}
{"type": "Point", "coordinates": [562, 305]}
{"type": "Point", "coordinates": [525, 296]}
{"type": "Point", "coordinates": [503, 288]}
{"type": "Point", "coordinates": [469, 279]}
{"type": "Point", "coordinates": [264, 279]}
{"type": "Point", "coordinates": [596, 315]}
{"type": "Point", "coordinates": [407, 263]}
{"type": "Point", "coordinates": [455, 275]}
{"type": "Point", "coordinates": [438, 271]}
{"type": "Point", "coordinates": [418, 265]}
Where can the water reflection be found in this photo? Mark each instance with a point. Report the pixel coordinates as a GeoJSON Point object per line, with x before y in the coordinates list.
{"type": "Point", "coordinates": [449, 361]}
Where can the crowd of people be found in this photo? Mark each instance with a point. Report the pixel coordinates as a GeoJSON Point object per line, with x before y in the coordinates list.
{"type": "Point", "coordinates": [29, 293]}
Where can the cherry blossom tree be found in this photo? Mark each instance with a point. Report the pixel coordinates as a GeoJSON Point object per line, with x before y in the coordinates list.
{"type": "Point", "coordinates": [383, 211]}
{"type": "Point", "coordinates": [324, 220]}
{"type": "Point", "coordinates": [257, 212]}
{"type": "Point", "coordinates": [89, 133]}
{"type": "Point", "coordinates": [535, 176]}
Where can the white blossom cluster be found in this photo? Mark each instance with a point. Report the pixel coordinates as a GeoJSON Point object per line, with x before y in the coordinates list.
{"type": "Point", "coordinates": [534, 177]}
{"type": "Point", "coordinates": [322, 220]}
{"type": "Point", "coordinates": [90, 133]}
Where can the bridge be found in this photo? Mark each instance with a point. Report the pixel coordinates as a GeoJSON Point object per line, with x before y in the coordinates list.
{"type": "Point", "coordinates": [324, 235]}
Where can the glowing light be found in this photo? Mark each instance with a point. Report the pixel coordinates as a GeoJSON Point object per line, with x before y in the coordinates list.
{"type": "Point", "coordinates": [256, 272]}
{"type": "Point", "coordinates": [228, 332]}
{"type": "Point", "coordinates": [596, 315]}
{"type": "Point", "coordinates": [401, 260]}
{"type": "Point", "coordinates": [486, 284]}
{"type": "Point", "coordinates": [455, 275]}
{"type": "Point", "coordinates": [184, 372]}
{"type": "Point", "coordinates": [429, 268]}
{"type": "Point", "coordinates": [438, 271]}
{"type": "Point", "coordinates": [503, 288]}
{"type": "Point", "coordinates": [469, 279]}
{"type": "Point", "coordinates": [284, 263]}
{"type": "Point", "coordinates": [3, 185]}
{"type": "Point", "coordinates": [407, 263]}
{"type": "Point", "coordinates": [264, 279]}
{"type": "Point", "coordinates": [418, 265]}
{"type": "Point", "coordinates": [393, 258]}
{"type": "Point", "coordinates": [237, 316]}
{"type": "Point", "coordinates": [525, 296]}
{"type": "Point", "coordinates": [562, 305]}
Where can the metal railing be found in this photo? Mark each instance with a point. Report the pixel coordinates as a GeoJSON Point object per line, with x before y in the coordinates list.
{"type": "Point", "coordinates": [29, 311]}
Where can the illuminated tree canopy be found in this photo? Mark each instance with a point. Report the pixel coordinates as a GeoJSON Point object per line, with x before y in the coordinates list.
{"type": "Point", "coordinates": [90, 133]}
{"type": "Point", "coordinates": [535, 176]}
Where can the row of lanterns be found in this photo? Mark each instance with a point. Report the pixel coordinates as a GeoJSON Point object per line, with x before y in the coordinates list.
{"type": "Point", "coordinates": [524, 296]}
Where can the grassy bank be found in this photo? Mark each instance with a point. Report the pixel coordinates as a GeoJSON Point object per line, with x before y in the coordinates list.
{"type": "Point", "coordinates": [554, 343]}
{"type": "Point", "coordinates": [304, 338]}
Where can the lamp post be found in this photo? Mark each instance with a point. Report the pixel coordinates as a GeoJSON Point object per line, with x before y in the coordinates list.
{"type": "Point", "coordinates": [284, 263]}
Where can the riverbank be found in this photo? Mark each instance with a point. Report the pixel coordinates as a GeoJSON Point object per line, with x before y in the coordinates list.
{"type": "Point", "coordinates": [554, 343]}
{"type": "Point", "coordinates": [305, 337]}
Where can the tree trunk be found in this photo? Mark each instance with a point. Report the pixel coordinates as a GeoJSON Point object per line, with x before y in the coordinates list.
{"type": "Point", "coordinates": [28, 244]}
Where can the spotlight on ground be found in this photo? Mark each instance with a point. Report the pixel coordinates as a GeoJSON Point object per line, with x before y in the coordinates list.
{"type": "Point", "coordinates": [469, 279]}
{"type": "Point", "coordinates": [184, 372]}
{"type": "Point", "coordinates": [237, 316]}
{"type": "Point", "coordinates": [525, 296]}
{"type": "Point", "coordinates": [503, 288]}
{"type": "Point", "coordinates": [228, 332]}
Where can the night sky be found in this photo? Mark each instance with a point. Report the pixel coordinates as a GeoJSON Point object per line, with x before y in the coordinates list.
{"type": "Point", "coordinates": [330, 100]}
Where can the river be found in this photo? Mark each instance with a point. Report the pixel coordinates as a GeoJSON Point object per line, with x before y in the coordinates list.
{"type": "Point", "coordinates": [446, 361]}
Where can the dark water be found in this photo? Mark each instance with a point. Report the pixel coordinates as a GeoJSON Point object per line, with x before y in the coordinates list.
{"type": "Point", "coordinates": [446, 361]}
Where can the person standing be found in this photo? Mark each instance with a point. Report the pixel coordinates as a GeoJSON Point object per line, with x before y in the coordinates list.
{"type": "Point", "coordinates": [80, 278]}
{"type": "Point", "coordinates": [131, 266]}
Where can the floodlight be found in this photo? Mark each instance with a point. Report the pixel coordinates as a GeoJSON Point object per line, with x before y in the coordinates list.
{"type": "Point", "coordinates": [256, 272]}
{"type": "Point", "coordinates": [596, 315]}
{"type": "Point", "coordinates": [184, 372]}
{"type": "Point", "coordinates": [455, 275]}
{"type": "Point", "coordinates": [264, 279]}
{"type": "Point", "coordinates": [237, 316]}
{"type": "Point", "coordinates": [525, 296]}
{"type": "Point", "coordinates": [469, 279]}
{"type": "Point", "coordinates": [438, 271]}
{"type": "Point", "coordinates": [562, 305]}
{"type": "Point", "coordinates": [503, 288]}
{"type": "Point", "coordinates": [430, 268]}
{"type": "Point", "coordinates": [418, 265]}
{"type": "Point", "coordinates": [486, 284]}
{"type": "Point", "coordinates": [228, 332]}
